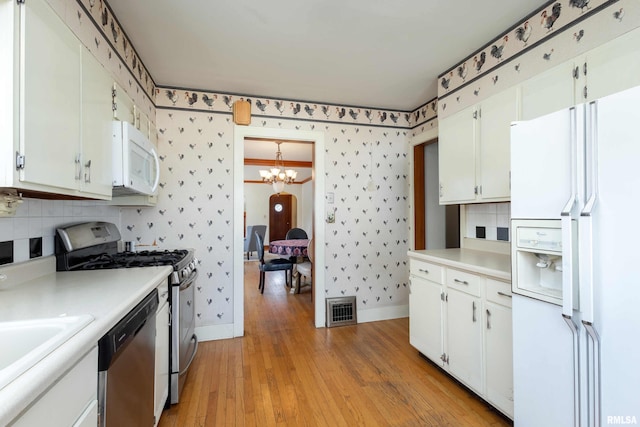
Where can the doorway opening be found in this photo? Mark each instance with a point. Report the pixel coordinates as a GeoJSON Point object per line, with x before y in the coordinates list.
{"type": "Point", "coordinates": [436, 226]}
{"type": "Point", "coordinates": [317, 219]}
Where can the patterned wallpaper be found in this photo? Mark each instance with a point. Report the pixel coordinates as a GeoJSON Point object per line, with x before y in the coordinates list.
{"type": "Point", "coordinates": [93, 22]}
{"type": "Point", "coordinates": [366, 246]}
{"type": "Point", "coordinates": [557, 32]}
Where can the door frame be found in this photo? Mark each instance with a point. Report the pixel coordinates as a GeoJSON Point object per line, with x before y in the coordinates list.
{"type": "Point", "coordinates": [418, 139]}
{"type": "Point", "coordinates": [318, 171]}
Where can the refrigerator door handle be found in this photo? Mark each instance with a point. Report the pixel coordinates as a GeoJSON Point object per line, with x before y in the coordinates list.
{"type": "Point", "coordinates": [591, 159]}
{"type": "Point", "coordinates": [576, 369]}
{"type": "Point", "coordinates": [585, 221]}
{"type": "Point", "coordinates": [593, 375]}
{"type": "Point", "coordinates": [566, 225]}
{"type": "Point", "coordinates": [573, 165]}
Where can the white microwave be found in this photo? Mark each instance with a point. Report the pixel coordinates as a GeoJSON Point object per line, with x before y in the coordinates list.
{"type": "Point", "coordinates": [136, 168]}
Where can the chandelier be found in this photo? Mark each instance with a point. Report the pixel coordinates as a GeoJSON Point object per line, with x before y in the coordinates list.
{"type": "Point", "coordinates": [278, 176]}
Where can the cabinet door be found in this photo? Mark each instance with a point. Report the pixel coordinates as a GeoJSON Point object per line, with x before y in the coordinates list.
{"type": "Point", "coordinates": [50, 98]}
{"type": "Point", "coordinates": [89, 417]}
{"type": "Point", "coordinates": [499, 357]}
{"type": "Point", "coordinates": [161, 389]}
{"type": "Point", "coordinates": [425, 318]}
{"type": "Point", "coordinates": [124, 107]}
{"type": "Point", "coordinates": [464, 338]}
{"type": "Point", "coordinates": [456, 157]}
{"type": "Point", "coordinates": [493, 149]}
{"type": "Point", "coordinates": [97, 116]}
{"type": "Point", "coordinates": [69, 400]}
{"type": "Point", "coordinates": [622, 55]}
{"type": "Point", "coordinates": [548, 92]}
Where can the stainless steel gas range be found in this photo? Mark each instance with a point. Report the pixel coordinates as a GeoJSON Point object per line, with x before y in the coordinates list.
{"type": "Point", "coordinates": [94, 245]}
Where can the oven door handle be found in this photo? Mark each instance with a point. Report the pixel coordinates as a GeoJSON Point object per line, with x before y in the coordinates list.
{"type": "Point", "coordinates": [194, 338]}
{"type": "Point", "coordinates": [190, 280]}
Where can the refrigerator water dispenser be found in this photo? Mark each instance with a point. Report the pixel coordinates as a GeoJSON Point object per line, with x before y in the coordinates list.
{"type": "Point", "coordinates": [537, 262]}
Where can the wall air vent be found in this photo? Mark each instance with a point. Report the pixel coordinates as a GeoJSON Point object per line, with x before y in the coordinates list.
{"type": "Point", "coordinates": [341, 311]}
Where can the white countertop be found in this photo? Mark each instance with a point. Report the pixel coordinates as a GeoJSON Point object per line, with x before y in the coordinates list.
{"type": "Point", "coordinates": [107, 295]}
{"type": "Point", "coordinates": [488, 263]}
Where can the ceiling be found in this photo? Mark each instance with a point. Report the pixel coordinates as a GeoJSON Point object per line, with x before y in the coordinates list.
{"type": "Point", "coordinates": [371, 53]}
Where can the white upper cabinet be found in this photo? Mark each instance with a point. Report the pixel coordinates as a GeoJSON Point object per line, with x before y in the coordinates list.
{"type": "Point", "coordinates": [59, 138]}
{"type": "Point", "coordinates": [97, 175]}
{"type": "Point", "coordinates": [553, 90]}
{"type": "Point", "coordinates": [474, 151]}
{"type": "Point", "coordinates": [584, 78]}
{"type": "Point", "coordinates": [49, 99]}
{"type": "Point", "coordinates": [457, 156]}
{"type": "Point", "coordinates": [495, 146]}
{"type": "Point", "coordinates": [613, 67]}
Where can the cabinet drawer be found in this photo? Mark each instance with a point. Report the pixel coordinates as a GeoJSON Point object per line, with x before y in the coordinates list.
{"type": "Point", "coordinates": [465, 282]}
{"type": "Point", "coordinates": [499, 292]}
{"type": "Point", "coordinates": [426, 270]}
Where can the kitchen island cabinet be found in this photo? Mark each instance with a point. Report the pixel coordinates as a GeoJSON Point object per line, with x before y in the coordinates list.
{"type": "Point", "coordinates": [463, 323]}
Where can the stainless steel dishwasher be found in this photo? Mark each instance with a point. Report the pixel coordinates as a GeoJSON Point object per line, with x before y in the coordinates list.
{"type": "Point", "coordinates": [126, 363]}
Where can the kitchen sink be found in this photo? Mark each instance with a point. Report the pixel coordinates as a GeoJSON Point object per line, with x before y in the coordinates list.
{"type": "Point", "coordinates": [27, 342]}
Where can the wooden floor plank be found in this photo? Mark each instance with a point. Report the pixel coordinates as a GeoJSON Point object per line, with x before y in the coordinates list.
{"type": "Point", "coordinates": [285, 372]}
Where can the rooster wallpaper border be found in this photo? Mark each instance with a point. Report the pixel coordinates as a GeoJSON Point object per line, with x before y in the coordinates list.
{"type": "Point", "coordinates": [525, 49]}
{"type": "Point", "coordinates": [186, 99]}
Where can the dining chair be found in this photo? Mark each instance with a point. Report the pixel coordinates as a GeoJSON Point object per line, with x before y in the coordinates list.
{"type": "Point", "coordinates": [296, 233]}
{"type": "Point", "coordinates": [277, 264]}
{"type": "Point", "coordinates": [250, 244]}
{"type": "Point", "coordinates": [305, 269]}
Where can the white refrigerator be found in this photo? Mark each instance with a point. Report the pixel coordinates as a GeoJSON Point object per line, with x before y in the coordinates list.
{"type": "Point", "coordinates": [577, 362]}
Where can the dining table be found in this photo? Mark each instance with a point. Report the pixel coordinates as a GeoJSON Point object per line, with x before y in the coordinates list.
{"type": "Point", "coordinates": [289, 248]}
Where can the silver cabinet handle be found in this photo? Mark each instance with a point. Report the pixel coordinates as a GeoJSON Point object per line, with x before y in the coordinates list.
{"type": "Point", "coordinates": [488, 319]}
{"type": "Point", "coordinates": [78, 168]}
{"type": "Point", "coordinates": [423, 270]}
{"type": "Point", "coordinates": [87, 172]}
{"type": "Point", "coordinates": [473, 316]}
{"type": "Point", "coordinates": [502, 294]}
{"type": "Point", "coordinates": [462, 282]}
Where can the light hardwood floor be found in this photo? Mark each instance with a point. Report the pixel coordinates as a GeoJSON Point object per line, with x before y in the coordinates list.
{"type": "Point", "coordinates": [285, 372]}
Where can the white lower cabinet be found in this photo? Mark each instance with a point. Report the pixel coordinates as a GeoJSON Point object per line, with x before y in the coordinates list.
{"type": "Point", "coordinates": [425, 320]}
{"type": "Point", "coordinates": [462, 322]}
{"type": "Point", "coordinates": [71, 401]}
{"type": "Point", "coordinates": [498, 346]}
{"type": "Point", "coordinates": [161, 383]}
{"type": "Point", "coordinates": [464, 338]}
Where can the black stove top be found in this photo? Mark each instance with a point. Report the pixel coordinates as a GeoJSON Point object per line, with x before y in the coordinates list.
{"type": "Point", "coordinates": [135, 259]}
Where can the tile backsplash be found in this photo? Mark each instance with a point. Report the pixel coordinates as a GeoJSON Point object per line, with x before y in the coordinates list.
{"type": "Point", "coordinates": [490, 221]}
{"type": "Point", "coordinates": [39, 219]}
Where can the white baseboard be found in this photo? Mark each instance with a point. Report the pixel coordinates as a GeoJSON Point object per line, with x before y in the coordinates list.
{"type": "Point", "coordinates": [383, 313]}
{"type": "Point", "coordinates": [214, 332]}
